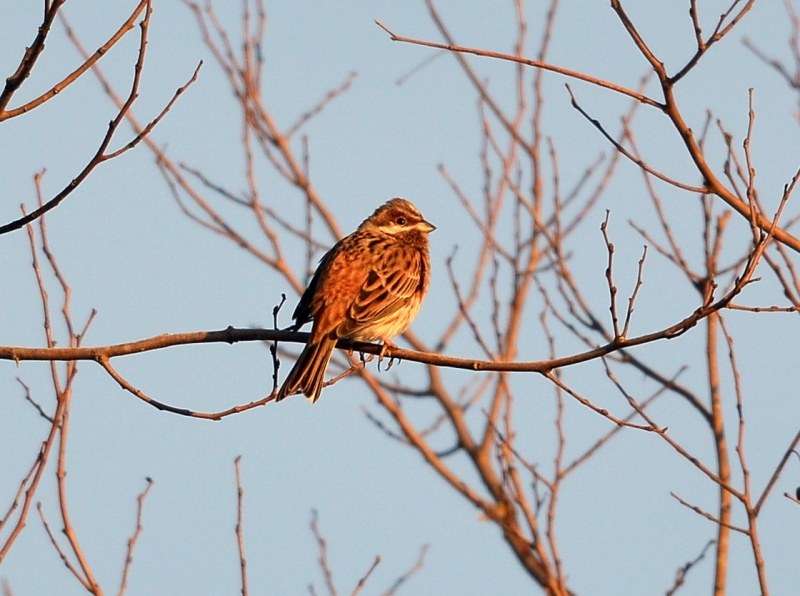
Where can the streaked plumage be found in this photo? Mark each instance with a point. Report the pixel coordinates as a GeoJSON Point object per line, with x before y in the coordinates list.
{"type": "Point", "coordinates": [368, 287]}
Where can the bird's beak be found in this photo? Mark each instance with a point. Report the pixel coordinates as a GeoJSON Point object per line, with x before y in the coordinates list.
{"type": "Point", "coordinates": [426, 226]}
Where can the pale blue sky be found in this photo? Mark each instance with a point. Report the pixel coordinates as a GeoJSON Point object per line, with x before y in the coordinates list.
{"type": "Point", "coordinates": [128, 252]}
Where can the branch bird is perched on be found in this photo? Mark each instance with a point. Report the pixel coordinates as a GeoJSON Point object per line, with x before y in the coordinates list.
{"type": "Point", "coordinates": [368, 287]}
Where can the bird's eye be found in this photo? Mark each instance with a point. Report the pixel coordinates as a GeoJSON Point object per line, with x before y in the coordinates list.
{"type": "Point", "coordinates": [401, 221]}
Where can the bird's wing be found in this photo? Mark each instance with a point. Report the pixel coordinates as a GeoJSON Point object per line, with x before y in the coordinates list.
{"type": "Point", "coordinates": [387, 288]}
{"type": "Point", "coordinates": [304, 311]}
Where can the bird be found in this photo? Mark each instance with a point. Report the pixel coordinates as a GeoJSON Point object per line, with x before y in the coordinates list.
{"type": "Point", "coordinates": [368, 287]}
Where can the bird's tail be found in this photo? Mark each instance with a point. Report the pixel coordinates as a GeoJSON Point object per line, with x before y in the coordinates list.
{"type": "Point", "coordinates": [308, 372]}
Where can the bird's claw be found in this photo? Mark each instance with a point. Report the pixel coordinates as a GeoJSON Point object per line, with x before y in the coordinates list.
{"type": "Point", "coordinates": [387, 345]}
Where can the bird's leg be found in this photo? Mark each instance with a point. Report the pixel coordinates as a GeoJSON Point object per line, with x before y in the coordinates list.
{"type": "Point", "coordinates": [387, 345]}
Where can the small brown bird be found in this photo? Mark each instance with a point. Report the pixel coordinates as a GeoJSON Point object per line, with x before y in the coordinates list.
{"type": "Point", "coordinates": [369, 286]}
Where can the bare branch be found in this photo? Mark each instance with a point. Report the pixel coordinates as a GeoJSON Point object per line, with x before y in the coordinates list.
{"type": "Point", "coordinates": [102, 155]}
{"type": "Point", "coordinates": [680, 575]}
{"type": "Point", "coordinates": [323, 553]}
{"type": "Point", "coordinates": [86, 65]}
{"type": "Point", "coordinates": [135, 537]}
{"type": "Point", "coordinates": [527, 62]}
{"type": "Point", "coordinates": [32, 53]}
{"type": "Point", "coordinates": [239, 527]}
{"type": "Point", "coordinates": [408, 574]}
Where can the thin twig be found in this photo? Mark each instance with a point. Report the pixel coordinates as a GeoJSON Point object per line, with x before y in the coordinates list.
{"type": "Point", "coordinates": [239, 525]}
{"type": "Point", "coordinates": [135, 537]}
{"type": "Point", "coordinates": [680, 574]}
{"type": "Point", "coordinates": [323, 553]}
{"type": "Point", "coordinates": [408, 574]}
